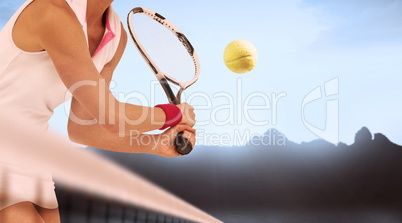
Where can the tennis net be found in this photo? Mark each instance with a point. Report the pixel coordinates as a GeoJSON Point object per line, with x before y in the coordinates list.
{"type": "Point", "coordinates": [90, 188]}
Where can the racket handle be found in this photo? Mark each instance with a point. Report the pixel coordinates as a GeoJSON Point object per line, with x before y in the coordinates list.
{"type": "Point", "coordinates": [183, 146]}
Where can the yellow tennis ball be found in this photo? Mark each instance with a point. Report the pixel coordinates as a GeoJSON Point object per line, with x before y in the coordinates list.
{"type": "Point", "coordinates": [240, 56]}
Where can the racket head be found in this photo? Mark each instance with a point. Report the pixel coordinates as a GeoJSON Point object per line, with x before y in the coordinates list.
{"type": "Point", "coordinates": [165, 48]}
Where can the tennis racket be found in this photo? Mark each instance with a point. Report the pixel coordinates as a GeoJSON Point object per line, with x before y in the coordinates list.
{"type": "Point", "coordinates": [168, 53]}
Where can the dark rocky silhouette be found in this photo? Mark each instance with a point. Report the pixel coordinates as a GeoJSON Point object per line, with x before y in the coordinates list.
{"type": "Point", "coordinates": [363, 136]}
{"type": "Point", "coordinates": [307, 176]}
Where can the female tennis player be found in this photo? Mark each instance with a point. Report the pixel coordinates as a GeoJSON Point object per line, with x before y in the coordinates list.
{"type": "Point", "coordinates": [49, 48]}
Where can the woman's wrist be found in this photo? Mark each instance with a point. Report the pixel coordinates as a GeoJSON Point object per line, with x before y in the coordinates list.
{"type": "Point", "coordinates": [160, 117]}
{"type": "Point", "coordinates": [173, 115]}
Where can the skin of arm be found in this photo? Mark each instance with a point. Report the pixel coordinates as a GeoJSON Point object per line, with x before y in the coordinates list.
{"type": "Point", "coordinates": [53, 26]}
{"type": "Point", "coordinates": [98, 137]}
{"type": "Point", "coordinates": [58, 31]}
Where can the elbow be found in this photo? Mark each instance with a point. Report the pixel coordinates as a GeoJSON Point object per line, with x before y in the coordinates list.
{"type": "Point", "coordinates": [73, 133]}
{"type": "Point", "coordinates": [73, 137]}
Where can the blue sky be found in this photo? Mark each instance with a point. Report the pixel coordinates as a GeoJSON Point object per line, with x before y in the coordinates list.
{"type": "Point", "coordinates": [302, 44]}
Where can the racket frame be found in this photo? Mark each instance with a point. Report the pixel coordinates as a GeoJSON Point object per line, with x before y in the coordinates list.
{"type": "Point", "coordinates": [162, 77]}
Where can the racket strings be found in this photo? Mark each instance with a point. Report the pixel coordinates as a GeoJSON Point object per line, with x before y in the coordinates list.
{"type": "Point", "coordinates": [164, 48]}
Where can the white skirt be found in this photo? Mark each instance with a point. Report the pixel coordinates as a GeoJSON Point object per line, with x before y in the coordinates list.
{"type": "Point", "coordinates": [20, 184]}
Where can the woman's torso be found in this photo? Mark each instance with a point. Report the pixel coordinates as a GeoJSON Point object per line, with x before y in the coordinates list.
{"type": "Point", "coordinates": [29, 83]}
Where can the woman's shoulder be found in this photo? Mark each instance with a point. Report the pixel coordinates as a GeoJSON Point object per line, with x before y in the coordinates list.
{"type": "Point", "coordinates": [51, 4]}
{"type": "Point", "coordinates": [59, 3]}
{"type": "Point", "coordinates": [40, 20]}
{"type": "Point", "coordinates": [50, 13]}
{"type": "Point", "coordinates": [51, 8]}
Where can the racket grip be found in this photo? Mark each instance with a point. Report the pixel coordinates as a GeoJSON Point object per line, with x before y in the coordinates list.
{"type": "Point", "coordinates": [183, 146]}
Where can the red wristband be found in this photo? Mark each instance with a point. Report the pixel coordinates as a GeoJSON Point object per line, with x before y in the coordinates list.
{"type": "Point", "coordinates": [173, 115]}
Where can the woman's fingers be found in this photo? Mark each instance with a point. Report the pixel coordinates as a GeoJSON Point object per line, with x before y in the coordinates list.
{"type": "Point", "coordinates": [182, 128]}
{"type": "Point", "coordinates": [188, 114]}
{"type": "Point", "coordinates": [190, 136]}
{"type": "Point", "coordinates": [169, 150]}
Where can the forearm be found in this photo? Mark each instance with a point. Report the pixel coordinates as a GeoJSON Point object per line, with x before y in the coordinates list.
{"type": "Point", "coordinates": [138, 118]}
{"type": "Point", "coordinates": [122, 118]}
{"type": "Point", "coordinates": [98, 137]}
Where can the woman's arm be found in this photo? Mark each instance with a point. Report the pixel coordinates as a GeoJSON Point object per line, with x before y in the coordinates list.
{"type": "Point", "coordinates": [59, 32]}
{"type": "Point", "coordinates": [162, 144]}
{"type": "Point", "coordinates": [86, 133]}
{"type": "Point", "coordinates": [79, 117]}
{"type": "Point", "coordinates": [95, 136]}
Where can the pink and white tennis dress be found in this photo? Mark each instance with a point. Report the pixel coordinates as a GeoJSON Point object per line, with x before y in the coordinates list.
{"type": "Point", "coordinates": [32, 89]}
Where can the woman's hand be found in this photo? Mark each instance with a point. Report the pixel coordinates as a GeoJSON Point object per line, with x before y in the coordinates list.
{"type": "Point", "coordinates": [165, 141]}
{"type": "Point", "coordinates": [188, 114]}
